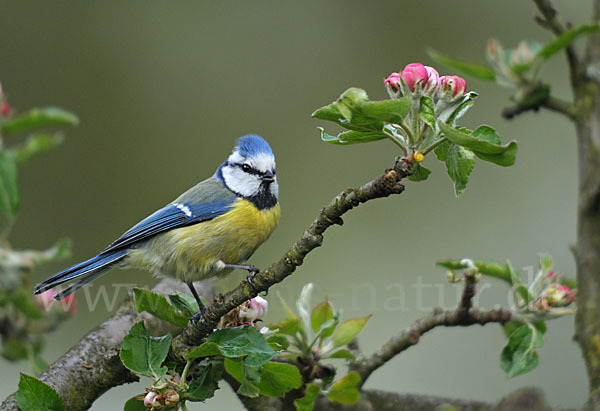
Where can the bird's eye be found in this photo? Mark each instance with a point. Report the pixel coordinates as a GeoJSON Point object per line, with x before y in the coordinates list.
{"type": "Point", "coordinates": [246, 168]}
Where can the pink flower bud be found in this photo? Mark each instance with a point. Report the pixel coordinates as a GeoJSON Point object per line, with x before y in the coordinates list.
{"type": "Point", "coordinates": [149, 398]}
{"type": "Point", "coordinates": [414, 73]}
{"type": "Point", "coordinates": [45, 301]}
{"type": "Point", "coordinates": [172, 398]}
{"type": "Point", "coordinates": [433, 80]}
{"type": "Point", "coordinates": [393, 81]}
{"type": "Point", "coordinates": [455, 84]}
{"type": "Point", "coordinates": [5, 109]}
{"type": "Point", "coordinates": [254, 310]}
{"type": "Point", "coordinates": [556, 296]}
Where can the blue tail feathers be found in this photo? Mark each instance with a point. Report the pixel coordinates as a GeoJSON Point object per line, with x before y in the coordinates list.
{"type": "Point", "coordinates": [94, 267]}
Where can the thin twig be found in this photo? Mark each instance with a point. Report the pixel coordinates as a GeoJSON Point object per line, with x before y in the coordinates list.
{"type": "Point", "coordinates": [550, 103]}
{"type": "Point", "coordinates": [464, 315]}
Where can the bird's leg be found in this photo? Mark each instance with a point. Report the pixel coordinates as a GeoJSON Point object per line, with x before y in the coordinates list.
{"type": "Point", "coordinates": [252, 271]}
{"type": "Point", "coordinates": [201, 306]}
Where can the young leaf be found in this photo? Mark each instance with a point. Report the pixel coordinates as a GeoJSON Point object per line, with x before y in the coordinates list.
{"type": "Point", "coordinates": [545, 261]}
{"type": "Point", "coordinates": [144, 354]}
{"type": "Point", "coordinates": [419, 173]}
{"type": "Point", "coordinates": [289, 326]}
{"type": "Point", "coordinates": [204, 350]}
{"type": "Point", "coordinates": [238, 371]}
{"type": "Point", "coordinates": [478, 71]}
{"type": "Point", "coordinates": [329, 112]}
{"type": "Point", "coordinates": [459, 164]}
{"type": "Point", "coordinates": [135, 404]}
{"type": "Point", "coordinates": [391, 111]}
{"type": "Point", "coordinates": [519, 356]}
{"type": "Point", "coordinates": [517, 284]}
{"type": "Point", "coordinates": [9, 188]}
{"type": "Point", "coordinates": [345, 389]}
{"type": "Point", "coordinates": [487, 133]}
{"type": "Point", "coordinates": [34, 145]}
{"type": "Point", "coordinates": [39, 117]}
{"type": "Point", "coordinates": [205, 385]}
{"type": "Point", "coordinates": [341, 353]}
{"type": "Point", "coordinates": [185, 304]}
{"type": "Point", "coordinates": [157, 305]}
{"type": "Point", "coordinates": [427, 112]}
{"type": "Point", "coordinates": [245, 342]}
{"type": "Point", "coordinates": [348, 330]}
{"type": "Point", "coordinates": [565, 39]}
{"type": "Point", "coordinates": [277, 378]}
{"type": "Point", "coordinates": [34, 395]}
{"type": "Point", "coordinates": [307, 403]}
{"type": "Point", "coordinates": [278, 342]}
{"type": "Point", "coordinates": [322, 313]}
{"type": "Point", "coordinates": [351, 137]}
{"type": "Point", "coordinates": [474, 142]}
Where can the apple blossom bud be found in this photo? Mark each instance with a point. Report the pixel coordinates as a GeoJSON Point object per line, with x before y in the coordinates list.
{"type": "Point", "coordinates": [415, 73]}
{"type": "Point", "coordinates": [433, 80]}
{"type": "Point", "coordinates": [149, 398]}
{"type": "Point", "coordinates": [172, 397]}
{"type": "Point", "coordinates": [393, 81]}
{"type": "Point", "coordinates": [454, 84]}
{"type": "Point", "coordinates": [556, 296]}
{"type": "Point", "coordinates": [254, 310]}
{"type": "Point", "coordinates": [5, 109]}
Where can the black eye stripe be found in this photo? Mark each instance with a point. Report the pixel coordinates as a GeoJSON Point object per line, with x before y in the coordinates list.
{"type": "Point", "coordinates": [246, 168]}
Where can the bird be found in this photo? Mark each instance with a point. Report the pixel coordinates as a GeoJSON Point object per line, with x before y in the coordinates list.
{"type": "Point", "coordinates": [208, 231]}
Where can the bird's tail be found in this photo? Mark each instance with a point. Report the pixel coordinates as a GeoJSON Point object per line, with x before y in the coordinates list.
{"type": "Point", "coordinates": [89, 270]}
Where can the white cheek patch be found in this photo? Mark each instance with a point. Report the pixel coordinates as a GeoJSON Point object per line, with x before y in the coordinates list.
{"type": "Point", "coordinates": [239, 182]}
{"type": "Point", "coordinates": [274, 188]}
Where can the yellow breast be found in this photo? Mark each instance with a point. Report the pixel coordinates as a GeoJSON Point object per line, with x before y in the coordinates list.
{"type": "Point", "coordinates": [190, 253]}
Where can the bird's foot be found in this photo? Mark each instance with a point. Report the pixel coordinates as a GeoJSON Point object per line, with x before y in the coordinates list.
{"type": "Point", "coordinates": [252, 271]}
{"type": "Point", "coordinates": [198, 316]}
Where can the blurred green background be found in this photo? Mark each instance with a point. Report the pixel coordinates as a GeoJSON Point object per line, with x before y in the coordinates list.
{"type": "Point", "coordinates": [163, 89]}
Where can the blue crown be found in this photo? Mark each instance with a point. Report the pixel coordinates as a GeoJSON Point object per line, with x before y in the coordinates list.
{"type": "Point", "coordinates": [251, 145]}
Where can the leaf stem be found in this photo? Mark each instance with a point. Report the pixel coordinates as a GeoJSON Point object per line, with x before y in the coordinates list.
{"type": "Point", "coordinates": [434, 145]}
{"type": "Point", "coordinates": [184, 373]}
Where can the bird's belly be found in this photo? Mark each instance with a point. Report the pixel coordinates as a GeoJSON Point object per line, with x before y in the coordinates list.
{"type": "Point", "coordinates": [190, 253]}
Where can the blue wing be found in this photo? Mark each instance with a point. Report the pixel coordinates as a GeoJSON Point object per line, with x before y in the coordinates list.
{"type": "Point", "coordinates": [174, 215]}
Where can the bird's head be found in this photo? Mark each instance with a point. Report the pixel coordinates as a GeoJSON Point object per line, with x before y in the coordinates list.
{"type": "Point", "coordinates": [250, 171]}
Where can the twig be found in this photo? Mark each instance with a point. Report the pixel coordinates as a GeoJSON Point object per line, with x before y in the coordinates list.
{"type": "Point", "coordinates": [549, 20]}
{"type": "Point", "coordinates": [383, 186]}
{"type": "Point", "coordinates": [464, 315]}
{"type": "Point", "coordinates": [550, 103]}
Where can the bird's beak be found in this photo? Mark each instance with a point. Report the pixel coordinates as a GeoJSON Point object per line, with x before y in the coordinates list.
{"type": "Point", "coordinates": [268, 177]}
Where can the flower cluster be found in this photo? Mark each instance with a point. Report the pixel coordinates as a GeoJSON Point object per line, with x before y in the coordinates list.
{"type": "Point", "coordinates": [554, 295]}
{"type": "Point", "coordinates": [418, 79]}
{"type": "Point", "coordinates": [163, 396]}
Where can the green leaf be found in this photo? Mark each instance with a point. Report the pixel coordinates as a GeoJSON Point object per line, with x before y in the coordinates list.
{"type": "Point", "coordinates": [341, 353]}
{"type": "Point", "coordinates": [243, 342]}
{"type": "Point", "coordinates": [427, 112]}
{"type": "Point", "coordinates": [517, 284]}
{"type": "Point", "coordinates": [329, 112]}
{"type": "Point", "coordinates": [135, 404]}
{"type": "Point", "coordinates": [240, 372]}
{"type": "Point", "coordinates": [390, 111]}
{"type": "Point", "coordinates": [144, 354]}
{"type": "Point", "coordinates": [289, 326]}
{"type": "Point", "coordinates": [34, 145]}
{"type": "Point", "coordinates": [286, 308]}
{"type": "Point", "coordinates": [203, 350]}
{"type": "Point", "coordinates": [510, 327]}
{"type": "Point", "coordinates": [348, 330]}
{"type": "Point", "coordinates": [158, 306]}
{"type": "Point", "coordinates": [459, 164]}
{"type": "Point", "coordinates": [565, 39]}
{"type": "Point", "coordinates": [545, 262]}
{"type": "Point", "coordinates": [205, 385]}
{"type": "Point", "coordinates": [307, 403]}
{"type": "Point", "coordinates": [351, 102]}
{"type": "Point", "coordinates": [185, 304]}
{"type": "Point", "coordinates": [488, 268]}
{"type": "Point", "coordinates": [278, 342]}
{"type": "Point", "coordinates": [9, 187]}
{"type": "Point", "coordinates": [277, 378]}
{"type": "Point", "coordinates": [475, 142]}
{"type": "Point", "coordinates": [519, 355]}
{"type": "Point", "coordinates": [322, 313]}
{"type": "Point", "coordinates": [24, 302]}
{"type": "Point", "coordinates": [488, 134]}
{"type": "Point", "coordinates": [351, 137]}
{"type": "Point", "coordinates": [39, 117]}
{"type": "Point", "coordinates": [478, 71]}
{"type": "Point", "coordinates": [345, 390]}
{"type": "Point", "coordinates": [34, 395]}
{"type": "Point", "coordinates": [419, 173]}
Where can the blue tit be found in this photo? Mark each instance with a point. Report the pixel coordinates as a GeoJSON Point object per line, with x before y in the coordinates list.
{"type": "Point", "coordinates": [207, 231]}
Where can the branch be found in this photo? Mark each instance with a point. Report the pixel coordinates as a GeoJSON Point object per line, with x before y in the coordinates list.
{"type": "Point", "coordinates": [93, 365]}
{"type": "Point", "coordinates": [549, 20]}
{"type": "Point", "coordinates": [550, 103]}
{"type": "Point", "coordinates": [464, 315]}
{"type": "Point", "coordinates": [383, 186]}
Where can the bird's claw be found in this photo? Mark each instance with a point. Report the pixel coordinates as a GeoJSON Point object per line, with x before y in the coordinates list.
{"type": "Point", "coordinates": [198, 316]}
